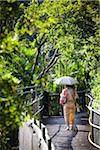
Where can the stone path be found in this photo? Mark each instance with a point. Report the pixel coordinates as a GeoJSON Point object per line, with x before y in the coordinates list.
{"type": "Point", "coordinates": [69, 140]}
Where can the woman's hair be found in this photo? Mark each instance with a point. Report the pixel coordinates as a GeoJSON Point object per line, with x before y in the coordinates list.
{"type": "Point", "coordinates": [71, 86]}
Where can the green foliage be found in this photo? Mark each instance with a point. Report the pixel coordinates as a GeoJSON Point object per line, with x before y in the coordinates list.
{"type": "Point", "coordinates": [79, 45]}
{"type": "Point", "coordinates": [96, 92]}
{"type": "Point", "coordinates": [28, 45]}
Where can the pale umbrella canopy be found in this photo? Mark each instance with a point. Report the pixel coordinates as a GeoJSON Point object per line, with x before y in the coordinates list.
{"type": "Point", "coordinates": [66, 80]}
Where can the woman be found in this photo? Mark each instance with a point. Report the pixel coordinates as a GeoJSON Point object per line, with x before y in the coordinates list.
{"type": "Point", "coordinates": [68, 100]}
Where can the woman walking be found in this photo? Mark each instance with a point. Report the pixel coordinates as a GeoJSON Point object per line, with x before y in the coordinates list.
{"type": "Point", "coordinates": [68, 100]}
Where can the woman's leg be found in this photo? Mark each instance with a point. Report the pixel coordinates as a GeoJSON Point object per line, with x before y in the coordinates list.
{"type": "Point", "coordinates": [71, 115]}
{"type": "Point", "coordinates": [65, 110]}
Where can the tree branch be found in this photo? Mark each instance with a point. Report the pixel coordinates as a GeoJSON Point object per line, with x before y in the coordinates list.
{"type": "Point", "coordinates": [52, 59]}
{"type": "Point", "coordinates": [50, 64]}
{"type": "Point", "coordinates": [38, 52]}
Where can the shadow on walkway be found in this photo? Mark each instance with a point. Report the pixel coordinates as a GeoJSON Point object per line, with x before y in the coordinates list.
{"type": "Point", "coordinates": [69, 140]}
{"type": "Point", "coordinates": [66, 143]}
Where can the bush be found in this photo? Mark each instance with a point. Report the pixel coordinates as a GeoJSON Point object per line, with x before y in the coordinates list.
{"type": "Point", "coordinates": [96, 93]}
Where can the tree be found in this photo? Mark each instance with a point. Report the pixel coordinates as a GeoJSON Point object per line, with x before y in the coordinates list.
{"type": "Point", "coordinates": [51, 39]}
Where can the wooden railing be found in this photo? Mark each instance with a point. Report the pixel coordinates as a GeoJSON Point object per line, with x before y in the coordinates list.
{"type": "Point", "coordinates": [94, 121]}
{"type": "Point", "coordinates": [32, 98]}
{"type": "Point", "coordinates": [38, 128]}
{"type": "Point", "coordinates": [39, 131]}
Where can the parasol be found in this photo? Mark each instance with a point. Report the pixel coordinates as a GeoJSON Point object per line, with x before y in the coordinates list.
{"type": "Point", "coordinates": [66, 80]}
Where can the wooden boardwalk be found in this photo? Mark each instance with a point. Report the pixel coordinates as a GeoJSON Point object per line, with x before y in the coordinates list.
{"type": "Point", "coordinates": [69, 140]}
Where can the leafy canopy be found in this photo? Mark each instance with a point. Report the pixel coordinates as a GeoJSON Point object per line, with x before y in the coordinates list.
{"type": "Point", "coordinates": [41, 42]}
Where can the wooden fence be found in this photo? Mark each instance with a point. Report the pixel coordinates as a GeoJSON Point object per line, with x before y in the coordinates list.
{"type": "Point", "coordinates": [33, 135]}
{"type": "Point", "coordinates": [94, 121]}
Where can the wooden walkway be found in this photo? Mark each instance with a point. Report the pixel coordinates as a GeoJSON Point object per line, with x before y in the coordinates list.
{"type": "Point", "coordinates": [69, 140]}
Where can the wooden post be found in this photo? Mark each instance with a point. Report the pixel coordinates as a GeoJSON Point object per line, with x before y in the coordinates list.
{"type": "Point", "coordinates": [43, 132]}
{"type": "Point", "coordinates": [40, 124]}
{"type": "Point", "coordinates": [49, 144]}
{"type": "Point", "coordinates": [92, 127]}
{"type": "Point", "coordinates": [35, 122]}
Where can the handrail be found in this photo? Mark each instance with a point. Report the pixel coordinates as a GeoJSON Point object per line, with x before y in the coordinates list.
{"type": "Point", "coordinates": [30, 91]}
{"type": "Point", "coordinates": [39, 110]}
{"type": "Point", "coordinates": [94, 126]}
{"type": "Point", "coordinates": [35, 100]}
{"type": "Point", "coordinates": [26, 92]}
{"type": "Point", "coordinates": [94, 144]}
{"type": "Point", "coordinates": [91, 99]}
{"type": "Point", "coordinates": [91, 109]}
{"type": "Point", "coordinates": [90, 121]}
{"type": "Point", "coordinates": [89, 96]}
{"type": "Point", "coordinates": [28, 87]}
{"type": "Point", "coordinates": [44, 138]}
